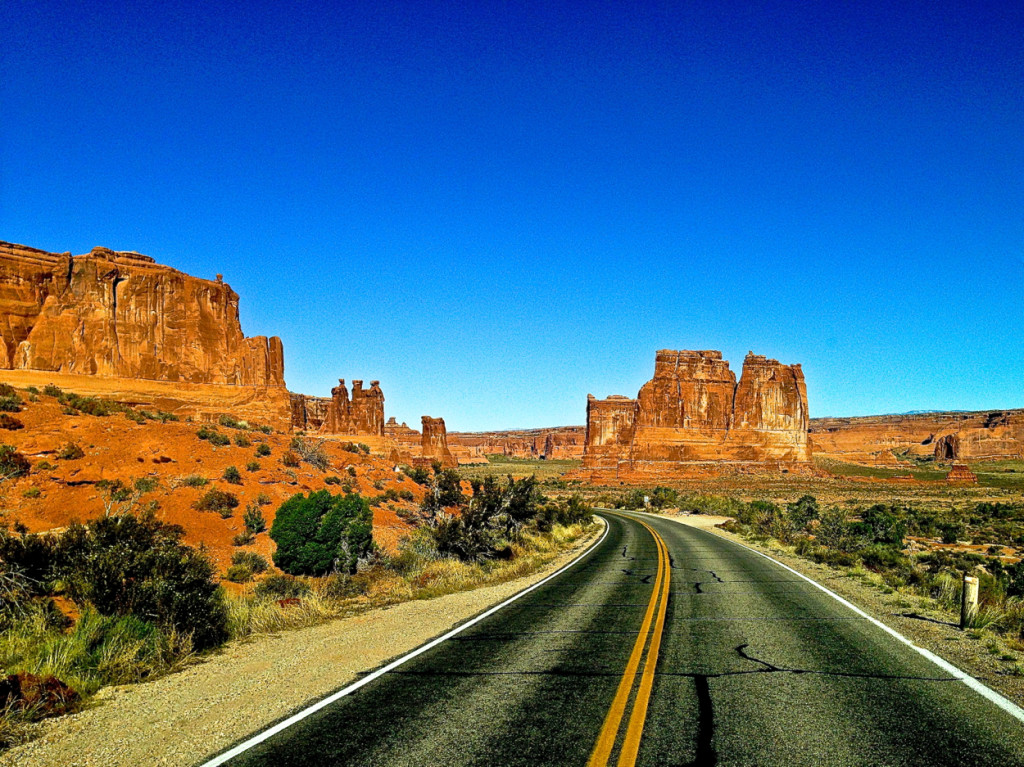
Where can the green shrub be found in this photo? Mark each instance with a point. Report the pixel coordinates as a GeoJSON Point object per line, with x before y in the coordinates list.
{"type": "Point", "coordinates": [32, 390]}
{"type": "Point", "coordinates": [330, 479]}
{"type": "Point", "coordinates": [253, 465]}
{"type": "Point", "coordinates": [255, 562]}
{"type": "Point", "coordinates": [951, 532]}
{"type": "Point", "coordinates": [11, 404]}
{"type": "Point", "coordinates": [70, 452]}
{"type": "Point", "coordinates": [12, 463]}
{"type": "Point", "coordinates": [193, 480]}
{"type": "Point", "coordinates": [232, 475]}
{"type": "Point", "coordinates": [128, 565]}
{"type": "Point", "coordinates": [116, 489]}
{"type": "Point", "coordinates": [253, 519]}
{"type": "Point", "coordinates": [351, 447]}
{"type": "Point", "coordinates": [322, 533]}
{"type": "Point", "coordinates": [351, 471]}
{"type": "Point", "coordinates": [263, 499]}
{"type": "Point", "coordinates": [276, 586]}
{"type": "Point", "coordinates": [217, 500]}
{"type": "Point", "coordinates": [242, 441]}
{"type": "Point", "coordinates": [146, 484]}
{"type": "Point", "coordinates": [10, 423]}
{"type": "Point", "coordinates": [44, 465]}
{"type": "Point", "coordinates": [213, 436]}
{"type": "Point", "coordinates": [243, 538]}
{"type": "Point", "coordinates": [264, 428]}
{"type": "Point", "coordinates": [88, 405]}
{"type": "Point", "coordinates": [32, 492]}
{"type": "Point", "coordinates": [262, 449]}
{"type": "Point", "coordinates": [239, 574]}
{"type": "Point", "coordinates": [288, 458]}
{"type": "Point", "coordinates": [419, 475]}
{"type": "Point", "coordinates": [231, 422]}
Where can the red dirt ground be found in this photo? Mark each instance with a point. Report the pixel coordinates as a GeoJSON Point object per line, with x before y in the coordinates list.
{"type": "Point", "coordinates": [117, 448]}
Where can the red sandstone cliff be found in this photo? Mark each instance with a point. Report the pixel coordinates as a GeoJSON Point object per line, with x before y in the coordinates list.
{"type": "Point", "coordinates": [123, 315]}
{"type": "Point", "coordinates": [119, 325]}
{"type": "Point", "coordinates": [693, 417]}
{"type": "Point", "coordinates": [885, 439]}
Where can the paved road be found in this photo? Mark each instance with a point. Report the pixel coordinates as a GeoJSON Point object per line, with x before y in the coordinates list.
{"type": "Point", "coordinates": [667, 645]}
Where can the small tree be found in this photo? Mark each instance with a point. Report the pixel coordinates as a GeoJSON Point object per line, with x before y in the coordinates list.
{"type": "Point", "coordinates": [322, 533]}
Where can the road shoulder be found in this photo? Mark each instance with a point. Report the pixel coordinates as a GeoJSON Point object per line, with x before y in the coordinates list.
{"type": "Point", "coordinates": [192, 715]}
{"type": "Point", "coordinates": [915, 618]}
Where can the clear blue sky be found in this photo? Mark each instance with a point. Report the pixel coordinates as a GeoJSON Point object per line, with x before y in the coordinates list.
{"type": "Point", "coordinates": [496, 208]}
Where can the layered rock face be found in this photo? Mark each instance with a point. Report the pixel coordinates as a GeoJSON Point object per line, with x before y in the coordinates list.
{"type": "Point", "coordinates": [694, 418]}
{"type": "Point", "coordinates": [559, 442]}
{"type": "Point", "coordinates": [888, 439]}
{"type": "Point", "coordinates": [120, 314]}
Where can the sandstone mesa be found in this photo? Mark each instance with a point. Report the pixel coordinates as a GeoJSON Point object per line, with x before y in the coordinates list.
{"type": "Point", "coordinates": [693, 418]}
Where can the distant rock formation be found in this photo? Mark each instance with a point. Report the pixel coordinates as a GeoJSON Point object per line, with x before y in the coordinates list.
{"type": "Point", "coordinates": [693, 418]}
{"type": "Point", "coordinates": [951, 436]}
{"type": "Point", "coordinates": [362, 415]}
{"type": "Point", "coordinates": [120, 314]}
{"type": "Point", "coordinates": [961, 474]}
{"type": "Point", "coordinates": [559, 442]}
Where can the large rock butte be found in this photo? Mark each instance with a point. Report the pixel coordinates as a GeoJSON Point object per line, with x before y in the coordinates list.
{"type": "Point", "coordinates": [110, 322]}
{"type": "Point", "coordinates": [693, 418]}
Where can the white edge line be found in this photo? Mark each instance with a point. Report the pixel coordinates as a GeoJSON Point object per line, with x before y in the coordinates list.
{"type": "Point", "coordinates": [979, 687]}
{"type": "Point", "coordinates": [268, 733]}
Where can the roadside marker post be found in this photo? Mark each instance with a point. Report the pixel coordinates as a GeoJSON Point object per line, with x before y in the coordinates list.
{"type": "Point", "coordinates": [969, 601]}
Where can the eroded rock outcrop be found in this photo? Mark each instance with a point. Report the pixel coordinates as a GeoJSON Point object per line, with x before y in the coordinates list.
{"type": "Point", "coordinates": [434, 444]}
{"type": "Point", "coordinates": [693, 417]}
{"type": "Point", "coordinates": [949, 436]}
{"type": "Point", "coordinates": [360, 415]}
{"type": "Point", "coordinates": [120, 314]}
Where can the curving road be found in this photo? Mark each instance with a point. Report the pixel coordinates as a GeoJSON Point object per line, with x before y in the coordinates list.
{"type": "Point", "coordinates": [666, 645]}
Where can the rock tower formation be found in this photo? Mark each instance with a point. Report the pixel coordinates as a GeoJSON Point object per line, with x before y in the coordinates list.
{"type": "Point", "coordinates": [693, 418]}
{"type": "Point", "coordinates": [121, 314]}
{"type": "Point", "coordinates": [434, 444]}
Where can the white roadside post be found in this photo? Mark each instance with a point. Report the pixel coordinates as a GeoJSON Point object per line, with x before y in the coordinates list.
{"type": "Point", "coordinates": [969, 601]}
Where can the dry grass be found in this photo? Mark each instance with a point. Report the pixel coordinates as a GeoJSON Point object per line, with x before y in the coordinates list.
{"type": "Point", "coordinates": [418, 572]}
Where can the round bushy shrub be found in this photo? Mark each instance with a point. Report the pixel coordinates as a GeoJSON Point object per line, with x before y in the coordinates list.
{"type": "Point", "coordinates": [263, 449]}
{"type": "Point", "coordinates": [322, 533]}
{"type": "Point", "coordinates": [127, 565]}
{"type": "Point", "coordinates": [217, 500]}
{"type": "Point", "coordinates": [12, 463]}
{"type": "Point", "coordinates": [232, 475]}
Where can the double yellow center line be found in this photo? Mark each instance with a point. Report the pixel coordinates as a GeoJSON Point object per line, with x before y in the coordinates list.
{"type": "Point", "coordinates": [613, 721]}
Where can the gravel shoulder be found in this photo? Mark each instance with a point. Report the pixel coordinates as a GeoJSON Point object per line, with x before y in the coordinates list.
{"type": "Point", "coordinates": [187, 717]}
{"type": "Point", "coordinates": [915, 618]}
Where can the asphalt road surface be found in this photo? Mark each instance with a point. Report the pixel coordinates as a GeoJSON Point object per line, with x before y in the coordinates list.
{"type": "Point", "coordinates": [666, 645]}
